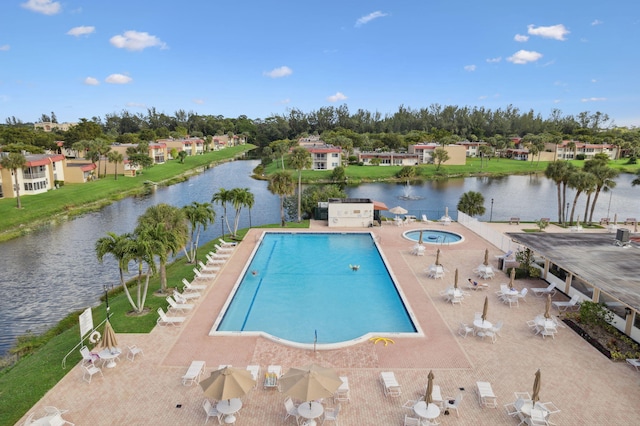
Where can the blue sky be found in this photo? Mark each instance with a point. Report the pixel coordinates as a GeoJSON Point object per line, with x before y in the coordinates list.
{"type": "Point", "coordinates": [82, 59]}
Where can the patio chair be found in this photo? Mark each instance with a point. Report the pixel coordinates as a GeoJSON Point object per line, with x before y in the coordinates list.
{"type": "Point", "coordinates": [543, 291]}
{"type": "Point", "coordinates": [331, 414]}
{"type": "Point", "coordinates": [163, 319]}
{"type": "Point", "coordinates": [409, 404]}
{"type": "Point", "coordinates": [496, 328]}
{"type": "Point", "coordinates": [211, 411]}
{"type": "Point", "coordinates": [391, 386]}
{"type": "Point", "coordinates": [411, 421]}
{"type": "Point", "coordinates": [464, 330]}
{"type": "Point", "coordinates": [512, 300]}
{"type": "Point", "coordinates": [564, 306]}
{"type": "Point", "coordinates": [88, 357]}
{"type": "Point", "coordinates": [180, 307]}
{"type": "Point", "coordinates": [193, 373]}
{"type": "Point", "coordinates": [204, 275]}
{"type": "Point", "coordinates": [227, 249]}
{"type": "Point", "coordinates": [89, 371]}
{"type": "Point", "coordinates": [448, 405]}
{"type": "Point", "coordinates": [511, 409]}
{"type": "Point", "coordinates": [523, 294]}
{"type": "Point", "coordinates": [224, 243]}
{"type": "Point", "coordinates": [342, 394]}
{"type": "Point", "coordinates": [133, 351]}
{"type": "Point", "coordinates": [291, 410]}
{"type": "Point", "coordinates": [506, 255]}
{"type": "Point", "coordinates": [207, 268]}
{"type": "Point", "coordinates": [185, 297]}
{"type": "Point", "coordinates": [487, 333]}
{"type": "Point", "coordinates": [57, 420]}
{"type": "Point", "coordinates": [424, 218]}
{"type": "Point", "coordinates": [255, 372]}
{"type": "Point", "coordinates": [634, 363]}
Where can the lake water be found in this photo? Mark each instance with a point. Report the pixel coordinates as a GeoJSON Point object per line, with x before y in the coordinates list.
{"type": "Point", "coordinates": [54, 271]}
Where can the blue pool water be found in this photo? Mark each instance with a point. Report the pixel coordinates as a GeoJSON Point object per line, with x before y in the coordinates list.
{"type": "Point", "coordinates": [297, 284]}
{"type": "Point", "coordinates": [431, 236]}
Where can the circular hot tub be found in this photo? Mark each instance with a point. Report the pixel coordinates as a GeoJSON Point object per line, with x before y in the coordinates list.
{"type": "Point", "coordinates": [432, 236]}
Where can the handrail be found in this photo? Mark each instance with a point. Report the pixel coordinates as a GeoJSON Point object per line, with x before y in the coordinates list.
{"type": "Point", "coordinates": [64, 360]}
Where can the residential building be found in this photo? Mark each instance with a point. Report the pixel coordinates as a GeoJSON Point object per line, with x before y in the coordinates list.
{"type": "Point", "coordinates": [192, 146]}
{"type": "Point", "coordinates": [40, 174]}
{"type": "Point", "coordinates": [325, 157]}
{"type": "Point", "coordinates": [472, 149]}
{"type": "Point", "coordinates": [425, 150]}
{"type": "Point", "coordinates": [50, 127]}
{"type": "Point", "coordinates": [224, 141]}
{"type": "Point", "coordinates": [388, 158]}
{"type": "Point", "coordinates": [569, 150]}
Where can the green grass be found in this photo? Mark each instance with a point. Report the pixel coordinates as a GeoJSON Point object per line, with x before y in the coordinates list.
{"type": "Point", "coordinates": [75, 199]}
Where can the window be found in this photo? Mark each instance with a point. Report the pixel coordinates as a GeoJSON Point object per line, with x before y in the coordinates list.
{"type": "Point", "coordinates": [557, 272]}
{"type": "Point", "coordinates": [582, 287]}
{"type": "Point", "coordinates": [614, 305]}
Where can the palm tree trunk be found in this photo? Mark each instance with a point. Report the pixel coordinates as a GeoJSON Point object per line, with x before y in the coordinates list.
{"type": "Point", "coordinates": [559, 203]}
{"type": "Point", "coordinates": [126, 289]}
{"type": "Point", "coordinates": [586, 208]}
{"type": "Point", "coordinates": [299, 193]}
{"type": "Point", "coordinates": [15, 176]}
{"type": "Point", "coordinates": [163, 276]}
{"type": "Point", "coordinates": [593, 205]}
{"type": "Point", "coordinates": [282, 211]}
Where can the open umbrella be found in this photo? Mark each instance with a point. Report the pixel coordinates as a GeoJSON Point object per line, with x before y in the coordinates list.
{"type": "Point", "coordinates": [420, 238]}
{"type": "Point", "coordinates": [547, 307]}
{"type": "Point", "coordinates": [455, 280]}
{"type": "Point", "coordinates": [486, 257]}
{"type": "Point", "coordinates": [513, 277]}
{"type": "Point", "coordinates": [536, 388]}
{"type": "Point", "coordinates": [427, 396]}
{"type": "Point", "coordinates": [485, 308]}
{"type": "Point", "coordinates": [310, 382]}
{"type": "Point", "coordinates": [438, 257]}
{"type": "Point", "coordinates": [398, 210]}
{"type": "Point", "coordinates": [109, 340]}
{"type": "Point", "coordinates": [227, 383]}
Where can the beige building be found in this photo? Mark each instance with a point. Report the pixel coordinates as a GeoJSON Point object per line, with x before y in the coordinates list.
{"type": "Point", "coordinates": [41, 173]}
{"type": "Point", "coordinates": [353, 212]}
{"type": "Point", "coordinates": [192, 146]}
{"type": "Point", "coordinates": [50, 127]}
{"type": "Point", "coordinates": [388, 158]}
{"type": "Point", "coordinates": [457, 153]}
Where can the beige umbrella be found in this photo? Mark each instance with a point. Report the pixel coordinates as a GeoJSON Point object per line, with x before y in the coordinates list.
{"type": "Point", "coordinates": [578, 221]}
{"type": "Point", "coordinates": [420, 239]}
{"type": "Point", "coordinates": [485, 308]}
{"type": "Point", "coordinates": [513, 277]}
{"type": "Point", "coordinates": [486, 257]}
{"type": "Point", "coordinates": [547, 307]}
{"type": "Point", "coordinates": [428, 398]}
{"type": "Point", "coordinates": [109, 340]}
{"type": "Point", "coordinates": [615, 219]}
{"type": "Point", "coordinates": [398, 210]}
{"type": "Point", "coordinates": [227, 383]}
{"type": "Point", "coordinates": [310, 382]}
{"type": "Point", "coordinates": [536, 388]}
{"type": "Point", "coordinates": [455, 280]}
{"type": "Point", "coordinates": [438, 257]}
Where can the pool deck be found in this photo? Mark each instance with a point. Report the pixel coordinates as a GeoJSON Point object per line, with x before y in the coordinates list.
{"type": "Point", "coordinates": [585, 385]}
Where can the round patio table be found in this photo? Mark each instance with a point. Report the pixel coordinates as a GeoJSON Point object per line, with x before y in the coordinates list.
{"type": "Point", "coordinates": [310, 411]}
{"type": "Point", "coordinates": [229, 407]}
{"type": "Point", "coordinates": [425, 411]}
{"type": "Point", "coordinates": [109, 356]}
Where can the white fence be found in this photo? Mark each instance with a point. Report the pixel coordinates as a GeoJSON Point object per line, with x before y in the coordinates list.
{"type": "Point", "coordinates": [496, 238]}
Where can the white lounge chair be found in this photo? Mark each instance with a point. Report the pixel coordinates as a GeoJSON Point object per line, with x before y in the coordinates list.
{"type": "Point", "coordinates": [342, 394]}
{"type": "Point", "coordinates": [207, 268]}
{"type": "Point", "coordinates": [163, 319]}
{"type": "Point", "coordinates": [564, 306]}
{"type": "Point", "coordinates": [192, 287]}
{"type": "Point", "coordinates": [212, 260]}
{"type": "Point", "coordinates": [391, 385]}
{"type": "Point", "coordinates": [424, 218]}
{"type": "Point", "coordinates": [204, 275]}
{"type": "Point", "coordinates": [211, 411]}
{"type": "Point", "coordinates": [219, 255]}
{"type": "Point", "coordinates": [185, 297]}
{"type": "Point", "coordinates": [634, 363]}
{"type": "Point", "coordinates": [543, 291]}
{"type": "Point", "coordinates": [89, 371]}
{"type": "Point", "coordinates": [180, 307]}
{"type": "Point", "coordinates": [227, 249]}
{"type": "Point", "coordinates": [193, 373]}
{"type": "Point", "coordinates": [224, 243]}
{"type": "Point", "coordinates": [272, 376]}
{"type": "Point", "coordinates": [486, 395]}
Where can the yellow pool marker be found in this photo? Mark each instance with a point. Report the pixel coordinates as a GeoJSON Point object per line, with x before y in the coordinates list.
{"type": "Point", "coordinates": [377, 339]}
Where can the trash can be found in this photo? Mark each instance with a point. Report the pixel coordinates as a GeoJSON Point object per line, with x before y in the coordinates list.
{"type": "Point", "coordinates": [501, 263]}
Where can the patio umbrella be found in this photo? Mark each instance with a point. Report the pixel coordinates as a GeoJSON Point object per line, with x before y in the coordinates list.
{"type": "Point", "coordinates": [578, 221]}
{"type": "Point", "coordinates": [485, 308]}
{"type": "Point", "coordinates": [438, 257]}
{"type": "Point", "coordinates": [547, 307]}
{"type": "Point", "coordinates": [398, 210]}
{"type": "Point", "coordinates": [455, 280]}
{"type": "Point", "coordinates": [446, 212]}
{"type": "Point", "coordinates": [615, 219]}
{"type": "Point", "coordinates": [486, 257]}
{"type": "Point", "coordinates": [227, 383]}
{"type": "Point", "coordinates": [310, 382]}
{"type": "Point", "coordinates": [420, 238]}
{"type": "Point", "coordinates": [536, 388]}
{"type": "Point", "coordinates": [427, 396]}
{"type": "Point", "coordinates": [109, 340]}
{"type": "Point", "coordinates": [513, 277]}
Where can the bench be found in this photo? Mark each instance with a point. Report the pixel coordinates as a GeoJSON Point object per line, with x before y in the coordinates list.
{"type": "Point", "coordinates": [630, 221]}
{"type": "Point", "coordinates": [515, 220]}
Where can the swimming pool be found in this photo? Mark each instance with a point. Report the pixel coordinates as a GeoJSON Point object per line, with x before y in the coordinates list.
{"type": "Point", "coordinates": [301, 285]}
{"type": "Point", "coordinates": [432, 236]}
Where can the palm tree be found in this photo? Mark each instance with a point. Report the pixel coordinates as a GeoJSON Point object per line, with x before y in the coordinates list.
{"type": "Point", "coordinates": [605, 176]}
{"type": "Point", "coordinates": [249, 201]}
{"type": "Point", "coordinates": [166, 226]}
{"type": "Point", "coordinates": [471, 203]}
{"type": "Point", "coordinates": [142, 249]}
{"type": "Point", "coordinates": [238, 199]}
{"type": "Point", "coordinates": [118, 246]}
{"type": "Point", "coordinates": [103, 146]}
{"type": "Point", "coordinates": [14, 161]}
{"type": "Point", "coordinates": [115, 157]}
{"type": "Point", "coordinates": [199, 216]}
{"type": "Point", "coordinates": [565, 183]}
{"type": "Point", "coordinates": [281, 184]}
{"type": "Point", "coordinates": [222, 197]}
{"type": "Point", "coordinates": [636, 181]}
{"type": "Point", "coordinates": [556, 171]}
{"type": "Point", "coordinates": [581, 181]}
{"type": "Point", "coordinates": [300, 159]}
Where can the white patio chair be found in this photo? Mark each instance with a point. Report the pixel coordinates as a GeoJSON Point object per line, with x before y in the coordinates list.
{"type": "Point", "coordinates": [211, 411]}
{"type": "Point", "coordinates": [409, 404]}
{"type": "Point", "coordinates": [511, 409]}
{"type": "Point", "coordinates": [180, 307]}
{"type": "Point", "coordinates": [411, 421]}
{"type": "Point", "coordinates": [193, 287]}
{"type": "Point", "coordinates": [133, 351]}
{"type": "Point", "coordinates": [464, 330]}
{"type": "Point", "coordinates": [634, 363]}
{"type": "Point", "coordinates": [331, 414]}
{"type": "Point", "coordinates": [453, 405]}
{"type": "Point", "coordinates": [496, 328]}
{"type": "Point", "coordinates": [89, 371]}
{"type": "Point", "coordinates": [88, 357]}
{"type": "Point", "coordinates": [163, 319]}
{"type": "Point", "coordinates": [564, 306]}
{"type": "Point", "coordinates": [543, 291]}
{"type": "Point", "coordinates": [391, 386]}
{"type": "Point", "coordinates": [512, 300]}
{"type": "Point", "coordinates": [184, 297]}
{"type": "Point", "coordinates": [487, 333]}
{"type": "Point", "coordinates": [523, 395]}
{"type": "Point", "coordinates": [291, 410]}
{"type": "Point", "coordinates": [523, 294]}
{"type": "Point", "coordinates": [57, 420]}
{"type": "Point", "coordinates": [424, 218]}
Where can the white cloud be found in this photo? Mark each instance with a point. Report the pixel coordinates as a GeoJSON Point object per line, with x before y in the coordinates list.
{"type": "Point", "coordinates": [524, 56]}
{"type": "Point", "coordinates": [592, 99]}
{"type": "Point", "coordinates": [597, 22]}
{"type": "Point", "coordinates": [135, 40]}
{"type": "Point", "coordinates": [91, 81]}
{"type": "Point", "coordinates": [118, 79]}
{"type": "Point", "coordinates": [46, 7]}
{"type": "Point", "coordinates": [82, 30]}
{"type": "Point", "coordinates": [556, 32]}
{"type": "Point", "coordinates": [136, 105]}
{"type": "Point", "coordinates": [521, 38]}
{"type": "Point", "coordinates": [4, 47]}
{"type": "Point", "coordinates": [470, 68]}
{"type": "Point", "coordinates": [198, 101]}
{"type": "Point", "coordinates": [279, 72]}
{"type": "Point", "coordinates": [370, 17]}
{"type": "Point", "coordinates": [483, 97]}
{"type": "Point", "coordinates": [494, 60]}
{"type": "Point", "coordinates": [337, 97]}
{"type": "Point", "coordinates": [285, 101]}
{"type": "Point", "coordinates": [556, 101]}
{"type": "Point", "coordinates": [593, 80]}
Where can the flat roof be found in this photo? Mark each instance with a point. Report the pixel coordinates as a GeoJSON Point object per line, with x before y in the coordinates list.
{"type": "Point", "coordinates": [594, 258]}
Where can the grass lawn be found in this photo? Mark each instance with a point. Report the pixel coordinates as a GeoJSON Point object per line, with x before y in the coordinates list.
{"type": "Point", "coordinates": [75, 199]}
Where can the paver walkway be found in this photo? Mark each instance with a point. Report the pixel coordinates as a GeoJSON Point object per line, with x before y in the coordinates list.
{"type": "Point", "coordinates": [586, 386]}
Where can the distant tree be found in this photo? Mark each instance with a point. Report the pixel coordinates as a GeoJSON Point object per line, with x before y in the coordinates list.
{"type": "Point", "coordinates": [279, 148]}
{"type": "Point", "coordinates": [407, 172]}
{"type": "Point", "coordinates": [581, 181]}
{"type": "Point", "coordinates": [174, 153]}
{"type": "Point", "coordinates": [604, 175]}
{"type": "Point", "coordinates": [375, 161]}
{"type": "Point", "coordinates": [239, 198]}
{"type": "Point", "coordinates": [300, 159]}
{"type": "Point", "coordinates": [118, 246]}
{"type": "Point", "coordinates": [199, 216]}
{"type": "Point", "coordinates": [338, 175]}
{"type": "Point", "coordinates": [14, 162]}
{"type": "Point", "coordinates": [115, 157]}
{"type": "Point", "coordinates": [222, 197]}
{"type": "Point", "coordinates": [485, 152]}
{"type": "Point", "coordinates": [472, 203]}
{"type": "Point", "coordinates": [181, 156]}
{"type": "Point", "coordinates": [281, 184]}
{"type": "Point", "coordinates": [440, 155]}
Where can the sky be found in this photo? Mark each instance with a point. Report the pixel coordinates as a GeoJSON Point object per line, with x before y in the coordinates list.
{"type": "Point", "coordinates": [258, 58]}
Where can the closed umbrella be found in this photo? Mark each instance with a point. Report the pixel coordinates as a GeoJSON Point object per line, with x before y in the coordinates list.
{"type": "Point", "coordinates": [536, 388]}
{"type": "Point", "coordinates": [310, 382]}
{"type": "Point", "coordinates": [427, 396]}
{"type": "Point", "coordinates": [109, 340]}
{"type": "Point", "coordinates": [420, 239]}
{"type": "Point", "coordinates": [486, 257]}
{"type": "Point", "coordinates": [513, 277]}
{"type": "Point", "coordinates": [547, 307]}
{"type": "Point", "coordinates": [446, 212]}
{"type": "Point", "coordinates": [438, 257]}
{"type": "Point", "coordinates": [455, 280]}
{"type": "Point", "coordinates": [485, 308]}
{"type": "Point", "coordinates": [228, 383]}
{"type": "Point", "coordinates": [615, 219]}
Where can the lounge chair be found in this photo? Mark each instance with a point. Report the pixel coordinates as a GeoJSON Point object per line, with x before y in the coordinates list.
{"type": "Point", "coordinates": [272, 376]}
{"type": "Point", "coordinates": [391, 386]}
{"type": "Point", "coordinates": [215, 260]}
{"type": "Point", "coordinates": [571, 304]}
{"type": "Point", "coordinates": [543, 291]}
{"type": "Point", "coordinates": [193, 373]}
{"type": "Point", "coordinates": [634, 363]}
{"type": "Point", "coordinates": [486, 395]}
{"type": "Point", "coordinates": [185, 297]}
{"type": "Point", "coordinates": [180, 307]}
{"type": "Point", "coordinates": [342, 394]}
{"type": "Point", "coordinates": [424, 218]}
{"type": "Point", "coordinates": [220, 249]}
{"type": "Point", "coordinates": [506, 255]}
{"type": "Point", "coordinates": [211, 411]}
{"type": "Point", "coordinates": [207, 268]}
{"type": "Point", "coordinates": [192, 287]}
{"type": "Point", "coordinates": [203, 274]}
{"type": "Point", "coordinates": [163, 319]}
{"type": "Point", "coordinates": [220, 255]}
{"type": "Point", "coordinates": [224, 243]}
